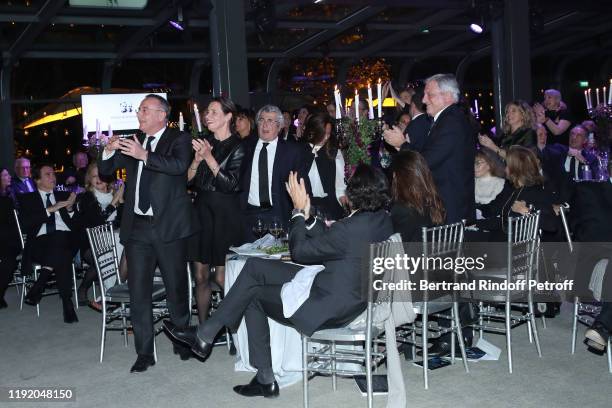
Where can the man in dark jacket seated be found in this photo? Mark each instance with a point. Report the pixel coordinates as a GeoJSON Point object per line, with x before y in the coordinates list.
{"type": "Point", "coordinates": [335, 298]}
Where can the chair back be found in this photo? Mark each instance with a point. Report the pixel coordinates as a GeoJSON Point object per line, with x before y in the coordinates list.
{"type": "Point", "coordinates": [523, 246]}
{"type": "Point", "coordinates": [563, 210]}
{"type": "Point", "coordinates": [22, 236]}
{"type": "Point", "coordinates": [104, 252]}
{"type": "Point", "coordinates": [438, 243]}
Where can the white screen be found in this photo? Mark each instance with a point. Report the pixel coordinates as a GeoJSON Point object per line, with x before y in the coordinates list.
{"type": "Point", "coordinates": [116, 110]}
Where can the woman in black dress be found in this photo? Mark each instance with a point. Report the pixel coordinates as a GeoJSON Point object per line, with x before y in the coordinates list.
{"type": "Point", "coordinates": [518, 129]}
{"type": "Point", "coordinates": [326, 172]}
{"type": "Point", "coordinates": [417, 203]}
{"type": "Point", "coordinates": [215, 176]}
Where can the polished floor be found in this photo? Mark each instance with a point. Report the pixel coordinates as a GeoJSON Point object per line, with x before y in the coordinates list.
{"type": "Point", "coordinates": [45, 352]}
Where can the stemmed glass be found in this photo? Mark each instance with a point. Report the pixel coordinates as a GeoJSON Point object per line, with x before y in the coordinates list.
{"type": "Point", "coordinates": [259, 228]}
{"type": "Point", "coordinates": [276, 229]}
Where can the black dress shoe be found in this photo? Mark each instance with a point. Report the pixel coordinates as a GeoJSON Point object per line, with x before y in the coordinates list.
{"type": "Point", "coordinates": [183, 352]}
{"type": "Point", "coordinates": [189, 336]}
{"type": "Point", "coordinates": [597, 336]}
{"type": "Point", "coordinates": [32, 299]}
{"type": "Point", "coordinates": [439, 349]}
{"type": "Point", "coordinates": [257, 389]}
{"type": "Point", "coordinates": [142, 363]}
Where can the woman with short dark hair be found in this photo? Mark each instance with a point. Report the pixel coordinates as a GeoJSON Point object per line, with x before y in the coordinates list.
{"type": "Point", "coordinates": [417, 203]}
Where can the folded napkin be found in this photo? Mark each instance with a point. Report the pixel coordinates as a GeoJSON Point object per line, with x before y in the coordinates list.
{"type": "Point", "coordinates": [255, 248]}
{"type": "Point", "coordinates": [295, 292]}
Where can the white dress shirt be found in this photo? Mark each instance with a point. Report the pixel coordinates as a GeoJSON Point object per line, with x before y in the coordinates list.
{"type": "Point", "coordinates": [60, 225]}
{"type": "Point", "coordinates": [315, 177]}
{"type": "Point", "coordinates": [254, 186]}
{"type": "Point", "coordinates": [141, 164]}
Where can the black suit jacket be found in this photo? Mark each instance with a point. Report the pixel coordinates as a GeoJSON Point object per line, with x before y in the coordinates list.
{"type": "Point", "coordinates": [20, 187]}
{"type": "Point", "coordinates": [290, 156]}
{"type": "Point", "coordinates": [173, 215]}
{"type": "Point", "coordinates": [33, 214]}
{"type": "Point", "coordinates": [417, 130]}
{"type": "Point", "coordinates": [9, 236]}
{"type": "Point", "coordinates": [409, 223]}
{"type": "Point", "coordinates": [450, 152]}
{"type": "Point", "coordinates": [590, 214]}
{"type": "Point", "coordinates": [336, 296]}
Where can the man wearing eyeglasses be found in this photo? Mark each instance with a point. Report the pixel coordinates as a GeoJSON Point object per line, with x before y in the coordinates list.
{"type": "Point", "coordinates": [266, 167]}
{"type": "Point", "coordinates": [157, 217]}
{"type": "Point", "coordinates": [22, 183]}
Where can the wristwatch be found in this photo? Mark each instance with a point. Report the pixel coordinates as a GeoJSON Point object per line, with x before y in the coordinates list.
{"type": "Point", "coordinates": [297, 211]}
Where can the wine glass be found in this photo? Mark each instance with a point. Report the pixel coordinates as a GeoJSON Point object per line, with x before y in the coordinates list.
{"type": "Point", "coordinates": [276, 229]}
{"type": "Point", "coordinates": [259, 228]}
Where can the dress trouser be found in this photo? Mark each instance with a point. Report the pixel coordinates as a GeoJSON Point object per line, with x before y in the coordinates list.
{"type": "Point", "coordinates": [256, 296]}
{"type": "Point", "coordinates": [54, 250]}
{"type": "Point", "coordinates": [145, 249]}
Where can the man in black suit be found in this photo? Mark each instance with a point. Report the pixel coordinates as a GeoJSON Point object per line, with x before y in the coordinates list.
{"type": "Point", "coordinates": [449, 147]}
{"type": "Point", "coordinates": [47, 218]}
{"type": "Point", "coordinates": [9, 247]}
{"type": "Point", "coordinates": [417, 129]}
{"type": "Point", "coordinates": [263, 181]}
{"type": "Point", "coordinates": [157, 217]}
{"type": "Point", "coordinates": [336, 297]}
{"type": "Point", "coordinates": [22, 183]}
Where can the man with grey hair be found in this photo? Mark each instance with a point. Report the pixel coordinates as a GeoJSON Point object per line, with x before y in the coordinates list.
{"type": "Point", "coordinates": [266, 166]}
{"type": "Point", "coordinates": [22, 183]}
{"type": "Point", "coordinates": [449, 147]}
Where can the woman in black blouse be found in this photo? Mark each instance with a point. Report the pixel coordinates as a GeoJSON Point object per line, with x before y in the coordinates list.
{"type": "Point", "coordinates": [417, 203]}
{"type": "Point", "coordinates": [528, 194]}
{"type": "Point", "coordinates": [518, 129]}
{"type": "Point", "coordinates": [214, 175]}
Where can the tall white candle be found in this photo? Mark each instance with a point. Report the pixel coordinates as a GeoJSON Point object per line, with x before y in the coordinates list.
{"type": "Point", "coordinates": [586, 99]}
{"type": "Point", "coordinates": [380, 101]}
{"type": "Point", "coordinates": [370, 103]}
{"type": "Point", "coordinates": [597, 96]}
{"type": "Point", "coordinates": [590, 99]}
{"type": "Point", "coordinates": [604, 100]}
{"type": "Point", "coordinates": [181, 122]}
{"type": "Point", "coordinates": [197, 116]}
{"type": "Point", "coordinates": [110, 131]}
{"type": "Point", "coordinates": [338, 103]}
{"type": "Point", "coordinates": [476, 106]}
{"type": "Point", "coordinates": [97, 129]}
{"type": "Point", "coordinates": [356, 106]}
{"type": "Point", "coordinates": [610, 94]}
{"type": "Point", "coordinates": [85, 133]}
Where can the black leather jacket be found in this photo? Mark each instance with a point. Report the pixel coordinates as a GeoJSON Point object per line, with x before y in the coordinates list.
{"type": "Point", "coordinates": [229, 154]}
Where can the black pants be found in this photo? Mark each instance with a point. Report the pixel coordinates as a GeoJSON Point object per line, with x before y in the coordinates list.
{"type": "Point", "coordinates": [256, 296]}
{"type": "Point", "coordinates": [55, 250]}
{"type": "Point", "coordinates": [145, 249]}
{"type": "Point", "coordinates": [8, 264]}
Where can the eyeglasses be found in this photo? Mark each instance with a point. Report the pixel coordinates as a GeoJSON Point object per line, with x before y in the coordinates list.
{"type": "Point", "coordinates": [144, 110]}
{"type": "Point", "coordinates": [269, 122]}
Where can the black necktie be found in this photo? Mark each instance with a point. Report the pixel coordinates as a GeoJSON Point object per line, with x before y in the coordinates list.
{"type": "Point", "coordinates": [51, 219]}
{"type": "Point", "coordinates": [572, 167]}
{"type": "Point", "coordinates": [144, 188]}
{"type": "Point", "coordinates": [264, 195]}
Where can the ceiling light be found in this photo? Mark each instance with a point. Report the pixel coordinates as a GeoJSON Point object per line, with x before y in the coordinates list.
{"type": "Point", "coordinates": [476, 28]}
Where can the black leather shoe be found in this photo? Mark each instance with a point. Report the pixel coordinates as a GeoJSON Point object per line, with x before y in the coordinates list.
{"type": "Point", "coordinates": [257, 389]}
{"type": "Point", "coordinates": [32, 299]}
{"type": "Point", "coordinates": [439, 349]}
{"type": "Point", "coordinates": [597, 336]}
{"type": "Point", "coordinates": [142, 363]}
{"type": "Point", "coordinates": [189, 336]}
{"type": "Point", "coordinates": [183, 352]}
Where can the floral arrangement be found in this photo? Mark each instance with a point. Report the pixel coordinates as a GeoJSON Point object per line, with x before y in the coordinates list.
{"type": "Point", "coordinates": [359, 137]}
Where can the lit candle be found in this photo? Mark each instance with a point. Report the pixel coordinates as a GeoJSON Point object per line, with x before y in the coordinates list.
{"type": "Point", "coordinates": [85, 133]}
{"type": "Point", "coordinates": [590, 98]}
{"type": "Point", "coordinates": [181, 122]}
{"type": "Point", "coordinates": [356, 106]}
{"type": "Point", "coordinates": [610, 94]}
{"type": "Point", "coordinates": [110, 131]}
{"type": "Point", "coordinates": [380, 101]}
{"type": "Point", "coordinates": [197, 116]}
{"type": "Point", "coordinates": [597, 96]}
{"type": "Point", "coordinates": [476, 106]}
{"type": "Point", "coordinates": [371, 106]}
{"type": "Point", "coordinates": [604, 100]}
{"type": "Point", "coordinates": [97, 129]}
{"type": "Point", "coordinates": [338, 104]}
{"type": "Point", "coordinates": [586, 99]}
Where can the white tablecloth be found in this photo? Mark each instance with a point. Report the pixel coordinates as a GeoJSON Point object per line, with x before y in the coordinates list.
{"type": "Point", "coordinates": [285, 342]}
